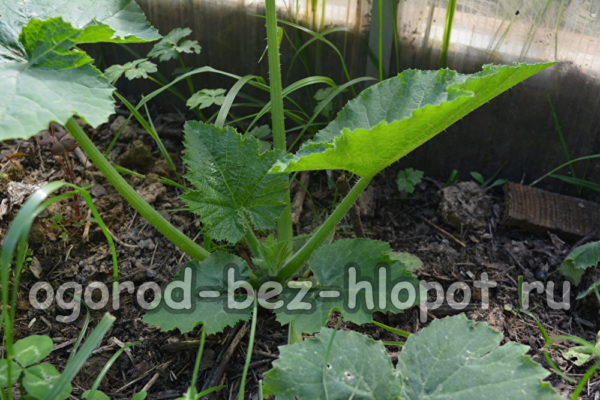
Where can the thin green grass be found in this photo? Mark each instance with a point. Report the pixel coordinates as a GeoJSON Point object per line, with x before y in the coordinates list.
{"type": "Point", "coordinates": [317, 111]}
{"type": "Point", "coordinates": [320, 37]}
{"type": "Point", "coordinates": [561, 137]}
{"type": "Point", "coordinates": [107, 366]}
{"type": "Point", "coordinates": [148, 127]}
{"type": "Point", "coordinates": [566, 164]}
{"type": "Point", "coordinates": [15, 248]}
{"type": "Point", "coordinates": [228, 101]}
{"type": "Point", "coordinates": [300, 84]}
{"type": "Point", "coordinates": [76, 363]}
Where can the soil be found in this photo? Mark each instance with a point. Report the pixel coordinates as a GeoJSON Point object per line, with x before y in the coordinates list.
{"type": "Point", "coordinates": [67, 248]}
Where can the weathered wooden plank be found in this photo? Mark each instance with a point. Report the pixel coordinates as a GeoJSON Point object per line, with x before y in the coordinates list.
{"type": "Point", "coordinates": [539, 211]}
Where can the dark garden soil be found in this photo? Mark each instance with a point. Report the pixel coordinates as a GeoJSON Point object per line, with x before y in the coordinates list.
{"type": "Point", "coordinates": [71, 249]}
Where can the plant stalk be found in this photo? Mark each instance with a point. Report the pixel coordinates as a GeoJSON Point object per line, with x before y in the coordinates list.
{"type": "Point", "coordinates": [284, 226]}
{"type": "Point", "coordinates": [447, 32]}
{"type": "Point", "coordinates": [316, 240]}
{"type": "Point", "coordinates": [249, 350]}
{"type": "Point", "coordinates": [380, 38]}
{"type": "Point", "coordinates": [198, 362]}
{"type": "Point", "coordinates": [180, 240]}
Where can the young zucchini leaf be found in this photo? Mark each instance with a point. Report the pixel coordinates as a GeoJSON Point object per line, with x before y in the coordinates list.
{"type": "Point", "coordinates": [43, 78]}
{"type": "Point", "coordinates": [579, 260]}
{"type": "Point", "coordinates": [453, 359]}
{"type": "Point", "coordinates": [233, 187]}
{"type": "Point", "coordinates": [190, 304]}
{"type": "Point", "coordinates": [333, 365]}
{"type": "Point", "coordinates": [392, 118]}
{"type": "Point", "coordinates": [332, 266]}
{"type": "Point", "coordinates": [456, 358]}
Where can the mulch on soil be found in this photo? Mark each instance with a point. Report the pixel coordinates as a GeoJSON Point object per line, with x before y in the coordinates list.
{"type": "Point", "coordinates": [68, 249]}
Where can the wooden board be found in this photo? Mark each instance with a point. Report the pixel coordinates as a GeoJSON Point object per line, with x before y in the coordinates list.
{"type": "Point", "coordinates": [540, 211]}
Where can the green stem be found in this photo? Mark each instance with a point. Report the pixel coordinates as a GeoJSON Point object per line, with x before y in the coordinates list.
{"type": "Point", "coordinates": [198, 362]}
{"type": "Point", "coordinates": [380, 38]}
{"type": "Point", "coordinates": [188, 80]}
{"type": "Point", "coordinates": [589, 373]}
{"type": "Point", "coordinates": [447, 33]}
{"type": "Point", "coordinates": [316, 240]}
{"type": "Point", "coordinates": [284, 226]}
{"type": "Point", "coordinates": [249, 350]}
{"type": "Point", "coordinates": [252, 240]}
{"type": "Point", "coordinates": [396, 33]}
{"type": "Point", "coordinates": [180, 240]}
{"type": "Point", "coordinates": [174, 91]}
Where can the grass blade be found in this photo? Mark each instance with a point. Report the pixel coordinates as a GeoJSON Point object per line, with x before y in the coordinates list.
{"type": "Point", "coordinates": [75, 364]}
{"type": "Point", "coordinates": [577, 182]}
{"type": "Point", "coordinates": [561, 166]}
{"type": "Point", "coordinates": [231, 95]}
{"type": "Point", "coordinates": [107, 366]}
{"type": "Point", "coordinates": [148, 127]}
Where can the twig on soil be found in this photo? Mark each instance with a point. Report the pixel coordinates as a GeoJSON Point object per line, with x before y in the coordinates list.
{"type": "Point", "coordinates": [139, 378]}
{"type": "Point", "coordinates": [127, 350]}
{"type": "Point", "coordinates": [161, 370]}
{"type": "Point", "coordinates": [119, 241]}
{"type": "Point", "coordinates": [63, 344]}
{"type": "Point", "coordinates": [82, 158]}
{"type": "Point", "coordinates": [445, 232]}
{"type": "Point", "coordinates": [153, 255]}
{"type": "Point", "coordinates": [88, 224]}
{"type": "Point", "coordinates": [184, 345]}
{"type": "Point", "coordinates": [68, 253]}
{"type": "Point", "coordinates": [223, 359]}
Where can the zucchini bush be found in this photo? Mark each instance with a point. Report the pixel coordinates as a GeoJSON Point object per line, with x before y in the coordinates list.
{"type": "Point", "coordinates": [240, 192]}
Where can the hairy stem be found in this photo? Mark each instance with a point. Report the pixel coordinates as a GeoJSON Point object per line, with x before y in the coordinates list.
{"type": "Point", "coordinates": [180, 240]}
{"type": "Point", "coordinates": [316, 240]}
{"type": "Point", "coordinates": [284, 227]}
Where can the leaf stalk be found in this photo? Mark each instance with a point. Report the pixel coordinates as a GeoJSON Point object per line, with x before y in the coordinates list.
{"type": "Point", "coordinates": [316, 240]}
{"type": "Point", "coordinates": [180, 240]}
{"type": "Point", "coordinates": [284, 226]}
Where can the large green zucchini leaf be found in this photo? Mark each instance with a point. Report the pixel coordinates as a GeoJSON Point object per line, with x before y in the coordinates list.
{"type": "Point", "coordinates": [43, 77]}
{"type": "Point", "coordinates": [451, 359]}
{"type": "Point", "coordinates": [331, 265]}
{"type": "Point", "coordinates": [392, 118]}
{"type": "Point", "coordinates": [187, 307]}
